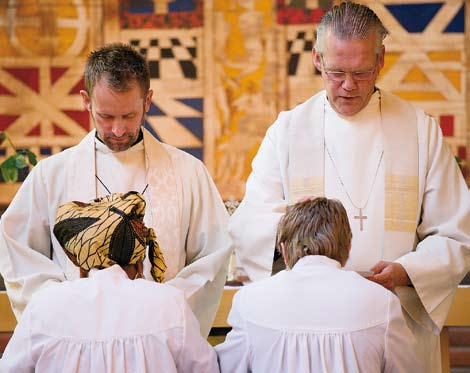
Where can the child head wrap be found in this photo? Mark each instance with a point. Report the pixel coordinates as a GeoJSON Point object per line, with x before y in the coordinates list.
{"type": "Point", "coordinates": [109, 230]}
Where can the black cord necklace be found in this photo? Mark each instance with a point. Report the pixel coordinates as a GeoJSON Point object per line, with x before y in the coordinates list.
{"type": "Point", "coordinates": [105, 187]}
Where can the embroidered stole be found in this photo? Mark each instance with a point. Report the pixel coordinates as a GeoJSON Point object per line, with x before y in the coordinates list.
{"type": "Point", "coordinates": [306, 166]}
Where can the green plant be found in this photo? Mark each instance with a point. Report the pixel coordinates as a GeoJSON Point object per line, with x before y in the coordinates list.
{"type": "Point", "coordinates": [19, 160]}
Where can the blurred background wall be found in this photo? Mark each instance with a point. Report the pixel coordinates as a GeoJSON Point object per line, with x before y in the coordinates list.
{"type": "Point", "coordinates": [221, 70]}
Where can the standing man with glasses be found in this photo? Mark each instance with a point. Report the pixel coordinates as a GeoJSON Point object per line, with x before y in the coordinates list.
{"type": "Point", "coordinates": [386, 160]}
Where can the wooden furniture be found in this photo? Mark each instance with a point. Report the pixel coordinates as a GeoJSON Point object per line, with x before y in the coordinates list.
{"type": "Point", "coordinates": [459, 315]}
{"type": "Point", "coordinates": [224, 308]}
{"type": "Point", "coordinates": [7, 319]}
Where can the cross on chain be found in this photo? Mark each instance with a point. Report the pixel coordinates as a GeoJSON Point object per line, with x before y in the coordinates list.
{"type": "Point", "coordinates": [361, 218]}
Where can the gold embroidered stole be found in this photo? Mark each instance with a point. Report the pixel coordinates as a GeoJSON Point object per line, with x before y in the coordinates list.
{"type": "Point", "coordinates": [306, 164]}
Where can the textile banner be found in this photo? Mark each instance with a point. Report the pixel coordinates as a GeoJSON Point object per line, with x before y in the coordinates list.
{"type": "Point", "coordinates": [221, 70]}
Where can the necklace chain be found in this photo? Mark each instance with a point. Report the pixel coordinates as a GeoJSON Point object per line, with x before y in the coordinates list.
{"type": "Point", "coordinates": [105, 187]}
{"type": "Point", "coordinates": [361, 217]}
{"type": "Point", "coordinates": [344, 186]}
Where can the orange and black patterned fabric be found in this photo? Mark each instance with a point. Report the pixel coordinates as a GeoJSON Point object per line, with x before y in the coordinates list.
{"type": "Point", "coordinates": [109, 230]}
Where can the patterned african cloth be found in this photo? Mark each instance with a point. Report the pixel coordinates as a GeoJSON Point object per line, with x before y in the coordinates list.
{"type": "Point", "coordinates": [109, 230]}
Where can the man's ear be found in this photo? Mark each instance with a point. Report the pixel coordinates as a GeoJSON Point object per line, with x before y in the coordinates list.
{"type": "Point", "coordinates": [148, 100]}
{"type": "Point", "coordinates": [284, 255]}
{"type": "Point", "coordinates": [86, 99]}
{"type": "Point", "coordinates": [316, 59]}
{"type": "Point", "coordinates": [382, 57]}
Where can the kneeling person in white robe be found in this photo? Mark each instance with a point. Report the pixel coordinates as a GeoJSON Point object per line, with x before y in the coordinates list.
{"type": "Point", "coordinates": [315, 316]}
{"type": "Point", "coordinates": [108, 322]}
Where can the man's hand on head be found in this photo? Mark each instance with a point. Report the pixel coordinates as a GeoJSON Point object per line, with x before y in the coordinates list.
{"type": "Point", "coordinates": [389, 275]}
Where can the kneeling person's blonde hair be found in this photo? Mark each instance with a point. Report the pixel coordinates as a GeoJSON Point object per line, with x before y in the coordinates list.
{"type": "Point", "coordinates": [315, 227]}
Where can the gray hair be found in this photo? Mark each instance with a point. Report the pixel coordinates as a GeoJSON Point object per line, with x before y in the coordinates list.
{"type": "Point", "coordinates": [347, 21]}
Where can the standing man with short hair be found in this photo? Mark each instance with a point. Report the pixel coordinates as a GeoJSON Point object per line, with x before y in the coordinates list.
{"type": "Point", "coordinates": [118, 156]}
{"type": "Point", "coordinates": [387, 162]}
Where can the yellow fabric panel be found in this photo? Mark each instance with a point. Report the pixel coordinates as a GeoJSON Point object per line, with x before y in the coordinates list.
{"type": "Point", "coordinates": [6, 49]}
{"type": "Point", "coordinates": [420, 95]}
{"type": "Point", "coordinates": [400, 203]}
{"type": "Point", "coordinates": [389, 60]}
{"type": "Point", "coordinates": [66, 9]}
{"type": "Point", "coordinates": [445, 56]}
{"type": "Point", "coordinates": [455, 77]}
{"type": "Point", "coordinates": [415, 75]}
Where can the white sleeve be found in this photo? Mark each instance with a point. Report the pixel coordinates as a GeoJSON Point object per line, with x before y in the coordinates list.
{"type": "Point", "coordinates": [196, 354]}
{"type": "Point", "coordinates": [254, 223]}
{"type": "Point", "coordinates": [234, 353]}
{"type": "Point", "coordinates": [400, 354]}
{"type": "Point", "coordinates": [25, 243]}
{"type": "Point", "coordinates": [208, 248]}
{"type": "Point", "coordinates": [17, 356]}
{"type": "Point", "coordinates": [442, 256]}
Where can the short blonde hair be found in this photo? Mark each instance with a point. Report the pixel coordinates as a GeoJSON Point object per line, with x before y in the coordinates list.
{"type": "Point", "coordinates": [315, 227]}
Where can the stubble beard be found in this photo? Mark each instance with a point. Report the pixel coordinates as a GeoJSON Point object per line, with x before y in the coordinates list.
{"type": "Point", "coordinates": [120, 145]}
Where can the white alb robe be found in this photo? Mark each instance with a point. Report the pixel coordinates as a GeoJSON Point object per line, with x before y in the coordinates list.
{"type": "Point", "coordinates": [108, 323]}
{"type": "Point", "coordinates": [441, 255]}
{"type": "Point", "coordinates": [317, 318]}
{"type": "Point", "coordinates": [183, 207]}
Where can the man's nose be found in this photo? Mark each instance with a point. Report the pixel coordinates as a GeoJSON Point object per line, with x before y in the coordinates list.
{"type": "Point", "coordinates": [349, 83]}
{"type": "Point", "coordinates": [119, 128]}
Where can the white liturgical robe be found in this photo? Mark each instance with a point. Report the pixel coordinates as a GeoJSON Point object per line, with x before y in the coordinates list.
{"type": "Point", "coordinates": [108, 323]}
{"type": "Point", "coordinates": [422, 222]}
{"type": "Point", "coordinates": [183, 207]}
{"type": "Point", "coordinates": [317, 318]}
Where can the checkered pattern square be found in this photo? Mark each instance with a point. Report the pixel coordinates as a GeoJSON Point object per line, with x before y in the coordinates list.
{"type": "Point", "coordinates": [173, 57]}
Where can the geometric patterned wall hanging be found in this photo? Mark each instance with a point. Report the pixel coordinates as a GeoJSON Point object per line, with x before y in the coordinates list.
{"type": "Point", "coordinates": [42, 54]}
{"type": "Point", "coordinates": [169, 34]}
{"type": "Point", "coordinates": [221, 71]}
{"type": "Point", "coordinates": [424, 62]}
{"type": "Point", "coordinates": [297, 22]}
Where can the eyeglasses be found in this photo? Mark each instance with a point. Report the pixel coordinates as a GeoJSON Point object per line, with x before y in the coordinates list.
{"type": "Point", "coordinates": [340, 76]}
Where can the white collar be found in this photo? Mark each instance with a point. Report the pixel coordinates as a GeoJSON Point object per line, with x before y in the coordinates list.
{"type": "Point", "coordinates": [114, 271]}
{"type": "Point", "coordinates": [315, 260]}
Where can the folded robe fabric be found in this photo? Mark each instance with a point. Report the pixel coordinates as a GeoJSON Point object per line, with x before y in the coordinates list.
{"type": "Point", "coordinates": [109, 230]}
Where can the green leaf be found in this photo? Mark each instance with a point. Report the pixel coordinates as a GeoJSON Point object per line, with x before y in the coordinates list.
{"type": "Point", "coordinates": [9, 170]}
{"type": "Point", "coordinates": [31, 157]}
{"type": "Point", "coordinates": [9, 162]}
{"type": "Point", "coordinates": [9, 173]}
{"type": "Point", "coordinates": [20, 161]}
{"type": "Point", "coordinates": [17, 161]}
{"type": "Point", "coordinates": [28, 154]}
